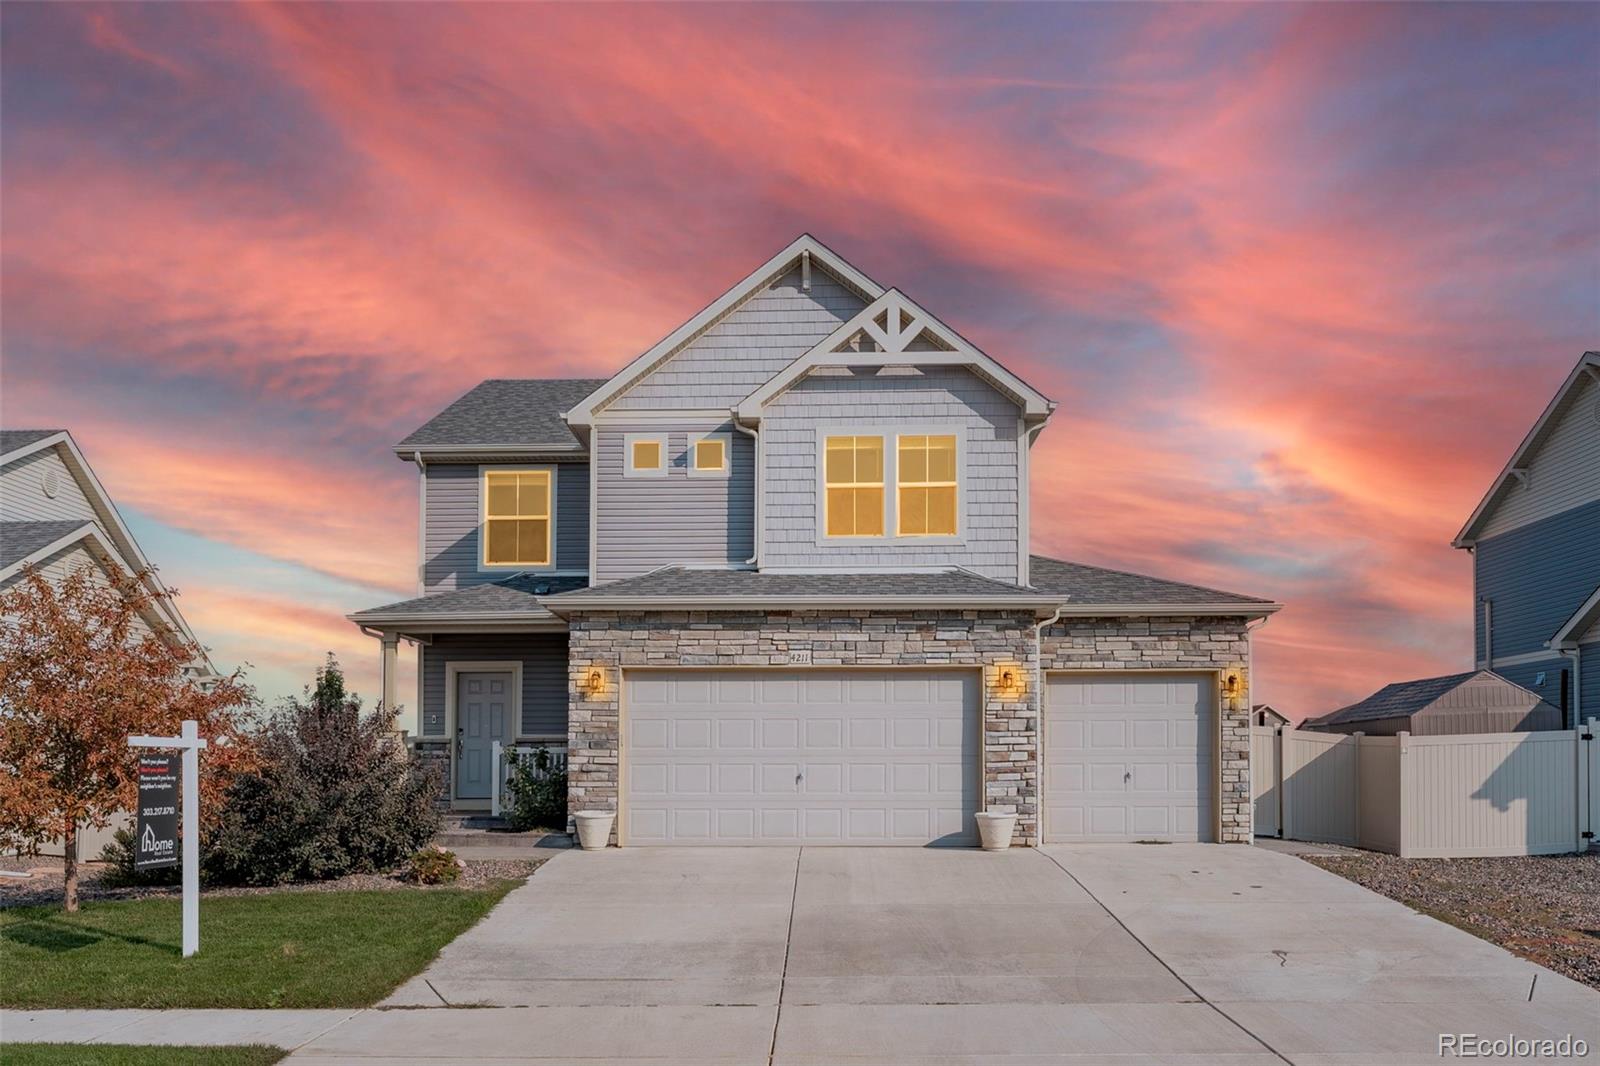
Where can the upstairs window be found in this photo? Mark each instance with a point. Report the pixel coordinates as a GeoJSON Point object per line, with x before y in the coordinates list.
{"type": "Point", "coordinates": [645, 455]}
{"type": "Point", "coordinates": [853, 483]}
{"type": "Point", "coordinates": [516, 517]}
{"type": "Point", "coordinates": [708, 455]}
{"type": "Point", "coordinates": [926, 486]}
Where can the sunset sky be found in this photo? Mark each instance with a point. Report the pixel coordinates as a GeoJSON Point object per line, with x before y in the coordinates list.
{"type": "Point", "coordinates": [1300, 277]}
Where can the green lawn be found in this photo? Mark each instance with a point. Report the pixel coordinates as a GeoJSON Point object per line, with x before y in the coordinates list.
{"type": "Point", "coordinates": [285, 949]}
{"type": "Point", "coordinates": [135, 1055]}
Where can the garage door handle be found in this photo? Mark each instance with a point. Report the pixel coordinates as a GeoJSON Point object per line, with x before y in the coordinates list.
{"type": "Point", "coordinates": [799, 778]}
{"type": "Point", "coordinates": [1127, 775]}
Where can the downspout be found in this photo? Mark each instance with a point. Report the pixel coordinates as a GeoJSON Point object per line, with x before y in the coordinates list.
{"type": "Point", "coordinates": [756, 524]}
{"type": "Point", "coordinates": [1576, 655]}
{"type": "Point", "coordinates": [422, 522]}
{"type": "Point", "coordinates": [1488, 632]}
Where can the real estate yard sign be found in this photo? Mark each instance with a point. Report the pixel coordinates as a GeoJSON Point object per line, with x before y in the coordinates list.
{"type": "Point", "coordinates": [156, 830]}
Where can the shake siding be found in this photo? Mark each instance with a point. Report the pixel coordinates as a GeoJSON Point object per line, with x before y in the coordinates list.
{"type": "Point", "coordinates": [938, 397]}
{"type": "Point", "coordinates": [22, 497]}
{"type": "Point", "coordinates": [56, 568]}
{"type": "Point", "coordinates": [647, 522]}
{"type": "Point", "coordinates": [544, 676]}
{"type": "Point", "coordinates": [1537, 575]}
{"type": "Point", "coordinates": [454, 510]}
{"type": "Point", "coordinates": [749, 345]}
{"type": "Point", "coordinates": [1564, 471]}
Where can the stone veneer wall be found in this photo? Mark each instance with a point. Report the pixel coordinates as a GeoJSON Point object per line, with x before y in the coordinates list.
{"type": "Point", "coordinates": [1155, 643]}
{"type": "Point", "coordinates": [614, 641]}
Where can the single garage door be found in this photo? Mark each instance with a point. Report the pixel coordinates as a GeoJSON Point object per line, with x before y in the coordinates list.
{"type": "Point", "coordinates": [808, 756]}
{"type": "Point", "coordinates": [1128, 757]}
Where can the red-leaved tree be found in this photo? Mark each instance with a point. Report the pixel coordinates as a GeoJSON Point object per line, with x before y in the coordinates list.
{"type": "Point", "coordinates": [80, 672]}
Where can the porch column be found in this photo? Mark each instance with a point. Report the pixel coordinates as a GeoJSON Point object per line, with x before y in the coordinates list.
{"type": "Point", "coordinates": [389, 670]}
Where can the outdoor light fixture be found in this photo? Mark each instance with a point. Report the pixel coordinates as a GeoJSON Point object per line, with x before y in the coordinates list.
{"type": "Point", "coordinates": [1230, 686]}
{"type": "Point", "coordinates": [596, 682]}
{"type": "Point", "coordinates": [1009, 682]}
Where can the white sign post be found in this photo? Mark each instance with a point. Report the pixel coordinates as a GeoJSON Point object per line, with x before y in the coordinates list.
{"type": "Point", "coordinates": [190, 744]}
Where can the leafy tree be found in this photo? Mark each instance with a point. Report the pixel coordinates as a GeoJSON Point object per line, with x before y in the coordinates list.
{"type": "Point", "coordinates": [333, 794]}
{"type": "Point", "coordinates": [80, 672]}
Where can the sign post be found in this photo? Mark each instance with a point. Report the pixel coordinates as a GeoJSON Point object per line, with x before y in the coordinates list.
{"type": "Point", "coordinates": [157, 824]}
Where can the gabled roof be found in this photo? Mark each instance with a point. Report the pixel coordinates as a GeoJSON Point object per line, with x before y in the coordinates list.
{"type": "Point", "coordinates": [1090, 590]}
{"type": "Point", "coordinates": [893, 323]}
{"type": "Point", "coordinates": [1405, 698]}
{"type": "Point", "coordinates": [18, 444]}
{"type": "Point", "coordinates": [1587, 614]}
{"type": "Point", "coordinates": [503, 416]}
{"type": "Point", "coordinates": [582, 413]}
{"type": "Point", "coordinates": [1588, 367]}
{"type": "Point", "coordinates": [518, 599]}
{"type": "Point", "coordinates": [24, 542]}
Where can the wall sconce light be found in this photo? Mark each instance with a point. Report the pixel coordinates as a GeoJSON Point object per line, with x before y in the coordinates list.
{"type": "Point", "coordinates": [1009, 681]}
{"type": "Point", "coordinates": [1230, 686]}
{"type": "Point", "coordinates": [595, 682]}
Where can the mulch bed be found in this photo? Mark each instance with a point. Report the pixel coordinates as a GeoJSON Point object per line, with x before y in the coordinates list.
{"type": "Point", "coordinates": [1545, 908]}
{"type": "Point", "coordinates": [44, 886]}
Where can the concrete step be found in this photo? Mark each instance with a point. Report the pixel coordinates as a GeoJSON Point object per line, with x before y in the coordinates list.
{"type": "Point", "coordinates": [456, 839]}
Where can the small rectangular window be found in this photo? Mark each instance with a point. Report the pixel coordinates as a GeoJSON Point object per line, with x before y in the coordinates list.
{"type": "Point", "coordinates": [853, 484]}
{"type": "Point", "coordinates": [710, 453]}
{"type": "Point", "coordinates": [926, 485]}
{"type": "Point", "coordinates": [644, 455]}
{"type": "Point", "coordinates": [516, 518]}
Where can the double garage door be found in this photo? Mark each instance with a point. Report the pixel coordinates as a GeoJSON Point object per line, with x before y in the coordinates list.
{"type": "Point", "coordinates": [818, 756]}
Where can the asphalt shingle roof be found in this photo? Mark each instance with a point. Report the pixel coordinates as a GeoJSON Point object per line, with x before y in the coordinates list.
{"type": "Point", "coordinates": [18, 540]}
{"type": "Point", "coordinates": [1397, 700]}
{"type": "Point", "coordinates": [520, 594]}
{"type": "Point", "coordinates": [507, 411]}
{"type": "Point", "coordinates": [12, 439]}
{"type": "Point", "coordinates": [1097, 585]}
{"type": "Point", "coordinates": [678, 582]}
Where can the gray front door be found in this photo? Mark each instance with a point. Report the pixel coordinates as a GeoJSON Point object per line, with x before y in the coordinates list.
{"type": "Point", "coordinates": [483, 715]}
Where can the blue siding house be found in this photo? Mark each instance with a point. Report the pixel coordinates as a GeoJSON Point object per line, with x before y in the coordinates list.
{"type": "Point", "coordinates": [1535, 543]}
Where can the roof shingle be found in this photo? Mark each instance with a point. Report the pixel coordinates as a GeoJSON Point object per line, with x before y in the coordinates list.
{"type": "Point", "coordinates": [681, 583]}
{"type": "Point", "coordinates": [12, 439]}
{"type": "Point", "coordinates": [509, 411]}
{"type": "Point", "coordinates": [519, 595]}
{"type": "Point", "coordinates": [1083, 584]}
{"type": "Point", "coordinates": [18, 540]}
{"type": "Point", "coordinates": [1398, 700]}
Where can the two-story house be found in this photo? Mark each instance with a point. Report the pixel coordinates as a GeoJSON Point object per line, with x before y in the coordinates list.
{"type": "Point", "coordinates": [770, 583]}
{"type": "Point", "coordinates": [1535, 544]}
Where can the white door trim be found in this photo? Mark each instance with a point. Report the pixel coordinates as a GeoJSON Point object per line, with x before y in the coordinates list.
{"type": "Point", "coordinates": [464, 666]}
{"type": "Point", "coordinates": [1216, 736]}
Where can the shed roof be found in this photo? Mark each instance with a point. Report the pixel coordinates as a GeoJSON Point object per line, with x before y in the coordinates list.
{"type": "Point", "coordinates": [1406, 698]}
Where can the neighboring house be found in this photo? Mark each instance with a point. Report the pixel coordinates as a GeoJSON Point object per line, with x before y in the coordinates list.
{"type": "Point", "coordinates": [1535, 544]}
{"type": "Point", "coordinates": [56, 517]}
{"type": "Point", "coordinates": [771, 583]}
{"type": "Point", "coordinates": [1478, 701]}
{"type": "Point", "coordinates": [1265, 714]}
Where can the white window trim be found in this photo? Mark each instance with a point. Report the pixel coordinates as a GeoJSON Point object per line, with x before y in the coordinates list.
{"type": "Point", "coordinates": [726, 470]}
{"type": "Point", "coordinates": [891, 481]}
{"type": "Point", "coordinates": [629, 440]}
{"type": "Point", "coordinates": [485, 567]}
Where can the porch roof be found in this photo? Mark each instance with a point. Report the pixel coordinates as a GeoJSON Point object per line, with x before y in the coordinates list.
{"type": "Point", "coordinates": [517, 599]}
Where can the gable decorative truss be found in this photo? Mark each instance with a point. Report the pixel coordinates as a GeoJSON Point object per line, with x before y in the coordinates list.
{"type": "Point", "coordinates": [882, 334]}
{"type": "Point", "coordinates": [1516, 468]}
{"type": "Point", "coordinates": [115, 542]}
{"type": "Point", "coordinates": [805, 250]}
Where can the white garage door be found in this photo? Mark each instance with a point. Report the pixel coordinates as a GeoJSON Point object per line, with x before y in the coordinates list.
{"type": "Point", "coordinates": [1128, 757]}
{"type": "Point", "coordinates": [808, 756]}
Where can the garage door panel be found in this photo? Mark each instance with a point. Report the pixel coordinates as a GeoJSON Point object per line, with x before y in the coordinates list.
{"type": "Point", "coordinates": [1127, 757]}
{"type": "Point", "coordinates": [898, 757]}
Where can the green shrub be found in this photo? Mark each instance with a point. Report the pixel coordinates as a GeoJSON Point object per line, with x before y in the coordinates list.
{"type": "Point", "coordinates": [536, 793]}
{"type": "Point", "coordinates": [332, 795]}
{"type": "Point", "coordinates": [434, 866]}
{"type": "Point", "coordinates": [118, 856]}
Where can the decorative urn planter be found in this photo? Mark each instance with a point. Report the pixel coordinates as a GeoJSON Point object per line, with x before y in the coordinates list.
{"type": "Point", "coordinates": [594, 828]}
{"type": "Point", "coordinates": [995, 829]}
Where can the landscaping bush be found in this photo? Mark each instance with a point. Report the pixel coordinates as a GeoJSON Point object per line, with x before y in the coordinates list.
{"type": "Point", "coordinates": [119, 873]}
{"type": "Point", "coordinates": [435, 866]}
{"type": "Point", "coordinates": [332, 795]}
{"type": "Point", "coordinates": [537, 794]}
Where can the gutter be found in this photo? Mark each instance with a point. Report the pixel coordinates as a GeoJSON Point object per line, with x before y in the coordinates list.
{"type": "Point", "coordinates": [747, 602]}
{"type": "Point", "coordinates": [757, 526]}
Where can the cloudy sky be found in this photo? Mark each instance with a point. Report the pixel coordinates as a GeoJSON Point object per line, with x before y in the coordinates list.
{"type": "Point", "coordinates": [1300, 277]}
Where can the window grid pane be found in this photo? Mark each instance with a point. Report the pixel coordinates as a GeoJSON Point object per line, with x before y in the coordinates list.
{"type": "Point", "coordinates": [853, 483]}
{"type": "Point", "coordinates": [927, 486]}
{"type": "Point", "coordinates": [517, 518]}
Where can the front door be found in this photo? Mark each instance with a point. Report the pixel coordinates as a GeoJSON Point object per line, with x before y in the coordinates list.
{"type": "Point", "coordinates": [483, 715]}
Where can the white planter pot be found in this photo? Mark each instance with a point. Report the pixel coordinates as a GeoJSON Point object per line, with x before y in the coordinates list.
{"type": "Point", "coordinates": [594, 828]}
{"type": "Point", "coordinates": [995, 829]}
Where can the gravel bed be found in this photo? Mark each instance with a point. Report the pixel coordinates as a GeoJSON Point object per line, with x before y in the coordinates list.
{"type": "Point", "coordinates": [1545, 908]}
{"type": "Point", "coordinates": [44, 886]}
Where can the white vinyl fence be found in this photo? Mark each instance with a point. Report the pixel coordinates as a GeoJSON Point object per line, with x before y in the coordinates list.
{"type": "Point", "coordinates": [1430, 797]}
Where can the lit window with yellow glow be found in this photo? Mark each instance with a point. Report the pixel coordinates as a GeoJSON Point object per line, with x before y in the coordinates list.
{"type": "Point", "coordinates": [853, 479]}
{"type": "Point", "coordinates": [646, 455]}
{"type": "Point", "coordinates": [710, 454]}
{"type": "Point", "coordinates": [926, 486]}
{"type": "Point", "coordinates": [516, 518]}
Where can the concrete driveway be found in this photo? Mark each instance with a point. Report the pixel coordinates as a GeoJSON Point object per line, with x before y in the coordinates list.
{"type": "Point", "coordinates": [1125, 954]}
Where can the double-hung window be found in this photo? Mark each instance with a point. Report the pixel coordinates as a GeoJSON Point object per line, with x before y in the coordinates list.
{"type": "Point", "coordinates": [516, 518]}
{"type": "Point", "coordinates": [925, 504]}
{"type": "Point", "coordinates": [853, 486]}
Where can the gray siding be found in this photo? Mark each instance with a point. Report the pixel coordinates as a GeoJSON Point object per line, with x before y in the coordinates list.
{"type": "Point", "coordinates": [649, 522]}
{"type": "Point", "coordinates": [905, 399]}
{"type": "Point", "coordinates": [1563, 472]}
{"type": "Point", "coordinates": [1537, 575]}
{"type": "Point", "coordinates": [453, 510]}
{"type": "Point", "coordinates": [1527, 675]}
{"type": "Point", "coordinates": [747, 346]}
{"type": "Point", "coordinates": [544, 676]}
{"type": "Point", "coordinates": [57, 567]}
{"type": "Point", "coordinates": [22, 497]}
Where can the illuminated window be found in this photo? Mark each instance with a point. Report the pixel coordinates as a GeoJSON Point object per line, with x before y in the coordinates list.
{"type": "Point", "coordinates": [646, 455]}
{"type": "Point", "coordinates": [926, 486]}
{"type": "Point", "coordinates": [516, 518]}
{"type": "Point", "coordinates": [853, 477]}
{"type": "Point", "coordinates": [708, 455]}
